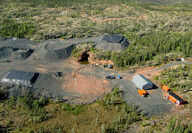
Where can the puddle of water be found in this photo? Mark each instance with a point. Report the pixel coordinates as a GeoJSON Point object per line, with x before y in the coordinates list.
{"type": "Point", "coordinates": [84, 62]}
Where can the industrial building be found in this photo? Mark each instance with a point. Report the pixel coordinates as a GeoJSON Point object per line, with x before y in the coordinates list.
{"type": "Point", "coordinates": [16, 77]}
{"type": "Point", "coordinates": [174, 98]}
{"type": "Point", "coordinates": [142, 82]}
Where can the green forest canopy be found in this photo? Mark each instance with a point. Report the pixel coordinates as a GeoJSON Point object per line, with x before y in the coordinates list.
{"type": "Point", "coordinates": [146, 47]}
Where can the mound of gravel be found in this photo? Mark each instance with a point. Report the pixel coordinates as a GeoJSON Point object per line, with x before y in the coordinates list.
{"type": "Point", "coordinates": [112, 42]}
{"type": "Point", "coordinates": [15, 49]}
{"type": "Point", "coordinates": [55, 55]}
{"type": "Point", "coordinates": [55, 50]}
{"type": "Point", "coordinates": [14, 53]}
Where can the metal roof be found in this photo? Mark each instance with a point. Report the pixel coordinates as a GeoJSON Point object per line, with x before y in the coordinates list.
{"type": "Point", "coordinates": [140, 80]}
{"type": "Point", "coordinates": [176, 97]}
{"type": "Point", "coordinates": [20, 75]}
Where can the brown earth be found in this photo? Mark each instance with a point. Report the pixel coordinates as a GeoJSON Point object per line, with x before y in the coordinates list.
{"type": "Point", "coordinates": [96, 61]}
{"type": "Point", "coordinates": [91, 60]}
{"type": "Point", "coordinates": [91, 87]}
{"type": "Point", "coordinates": [42, 70]}
{"type": "Point", "coordinates": [148, 72]}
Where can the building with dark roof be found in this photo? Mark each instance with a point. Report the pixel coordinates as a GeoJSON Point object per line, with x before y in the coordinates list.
{"type": "Point", "coordinates": [142, 82]}
{"type": "Point", "coordinates": [17, 77]}
{"type": "Point", "coordinates": [175, 98]}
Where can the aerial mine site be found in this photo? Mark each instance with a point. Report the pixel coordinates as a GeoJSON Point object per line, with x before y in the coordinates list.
{"type": "Point", "coordinates": [89, 66]}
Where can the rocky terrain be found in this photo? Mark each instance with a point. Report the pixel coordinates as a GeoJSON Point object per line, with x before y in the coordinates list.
{"type": "Point", "coordinates": [85, 53]}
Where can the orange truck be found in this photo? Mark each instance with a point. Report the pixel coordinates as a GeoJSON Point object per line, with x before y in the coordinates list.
{"type": "Point", "coordinates": [142, 92]}
{"type": "Point", "coordinates": [166, 88]}
{"type": "Point", "coordinates": [172, 96]}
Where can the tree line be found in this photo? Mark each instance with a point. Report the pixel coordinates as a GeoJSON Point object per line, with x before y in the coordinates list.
{"type": "Point", "coordinates": [145, 47]}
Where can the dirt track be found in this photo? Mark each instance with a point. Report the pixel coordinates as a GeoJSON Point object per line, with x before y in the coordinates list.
{"type": "Point", "coordinates": [142, 17]}
{"type": "Point", "coordinates": [81, 83]}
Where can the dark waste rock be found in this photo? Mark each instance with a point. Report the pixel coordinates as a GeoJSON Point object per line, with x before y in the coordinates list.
{"type": "Point", "coordinates": [2, 38]}
{"type": "Point", "coordinates": [112, 42]}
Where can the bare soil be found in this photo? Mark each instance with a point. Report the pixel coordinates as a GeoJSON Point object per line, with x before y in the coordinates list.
{"type": "Point", "coordinates": [83, 83]}
{"type": "Point", "coordinates": [89, 86]}
{"type": "Point", "coordinates": [148, 72]}
{"type": "Point", "coordinates": [96, 61]}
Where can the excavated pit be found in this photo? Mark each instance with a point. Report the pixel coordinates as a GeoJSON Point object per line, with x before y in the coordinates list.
{"type": "Point", "coordinates": [79, 83]}
{"type": "Point", "coordinates": [84, 59]}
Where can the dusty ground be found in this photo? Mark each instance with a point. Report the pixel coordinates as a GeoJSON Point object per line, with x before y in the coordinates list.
{"type": "Point", "coordinates": [89, 86]}
{"type": "Point", "coordinates": [82, 83]}
{"type": "Point", "coordinates": [75, 87]}
{"type": "Point", "coordinates": [96, 61]}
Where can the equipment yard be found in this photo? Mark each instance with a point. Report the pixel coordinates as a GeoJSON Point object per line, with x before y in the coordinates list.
{"type": "Point", "coordinates": [96, 66]}
{"type": "Point", "coordinates": [78, 84]}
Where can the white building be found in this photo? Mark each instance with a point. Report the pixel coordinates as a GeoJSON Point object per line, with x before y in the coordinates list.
{"type": "Point", "coordinates": [142, 82]}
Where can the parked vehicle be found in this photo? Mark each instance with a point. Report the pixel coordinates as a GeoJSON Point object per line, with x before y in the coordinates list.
{"type": "Point", "coordinates": [119, 77]}
{"type": "Point", "coordinates": [105, 66]}
{"type": "Point", "coordinates": [110, 77]}
{"type": "Point", "coordinates": [142, 92]}
{"type": "Point", "coordinates": [110, 66]}
{"type": "Point", "coordinates": [166, 88]}
{"type": "Point", "coordinates": [58, 74]}
{"type": "Point", "coordinates": [178, 59]}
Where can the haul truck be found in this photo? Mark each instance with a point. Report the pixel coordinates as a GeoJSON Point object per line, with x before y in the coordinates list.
{"type": "Point", "coordinates": [174, 98]}
{"type": "Point", "coordinates": [166, 88]}
{"type": "Point", "coordinates": [142, 92]}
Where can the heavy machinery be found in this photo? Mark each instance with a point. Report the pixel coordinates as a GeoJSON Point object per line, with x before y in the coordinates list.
{"type": "Point", "coordinates": [58, 74]}
{"type": "Point", "coordinates": [110, 77]}
{"type": "Point", "coordinates": [110, 66]}
{"type": "Point", "coordinates": [166, 88]}
{"type": "Point", "coordinates": [142, 92]}
{"type": "Point", "coordinates": [119, 77]}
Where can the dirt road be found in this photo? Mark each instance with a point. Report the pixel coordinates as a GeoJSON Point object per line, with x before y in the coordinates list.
{"type": "Point", "coordinates": [79, 83]}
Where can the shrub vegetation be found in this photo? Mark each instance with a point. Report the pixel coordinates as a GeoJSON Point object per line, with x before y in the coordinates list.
{"type": "Point", "coordinates": [11, 28]}
{"type": "Point", "coordinates": [179, 79]}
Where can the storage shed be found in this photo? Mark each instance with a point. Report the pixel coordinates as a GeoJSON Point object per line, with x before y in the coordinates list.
{"type": "Point", "coordinates": [142, 82]}
{"type": "Point", "coordinates": [174, 98]}
{"type": "Point", "coordinates": [17, 77]}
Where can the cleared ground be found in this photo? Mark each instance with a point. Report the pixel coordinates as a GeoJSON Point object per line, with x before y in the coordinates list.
{"type": "Point", "coordinates": [80, 83]}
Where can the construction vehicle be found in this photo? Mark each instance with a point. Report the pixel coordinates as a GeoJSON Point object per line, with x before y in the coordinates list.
{"type": "Point", "coordinates": [110, 66]}
{"type": "Point", "coordinates": [110, 77]}
{"type": "Point", "coordinates": [58, 74]}
{"type": "Point", "coordinates": [172, 96]}
{"type": "Point", "coordinates": [166, 88]}
{"type": "Point", "coordinates": [119, 77]}
{"type": "Point", "coordinates": [142, 92]}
